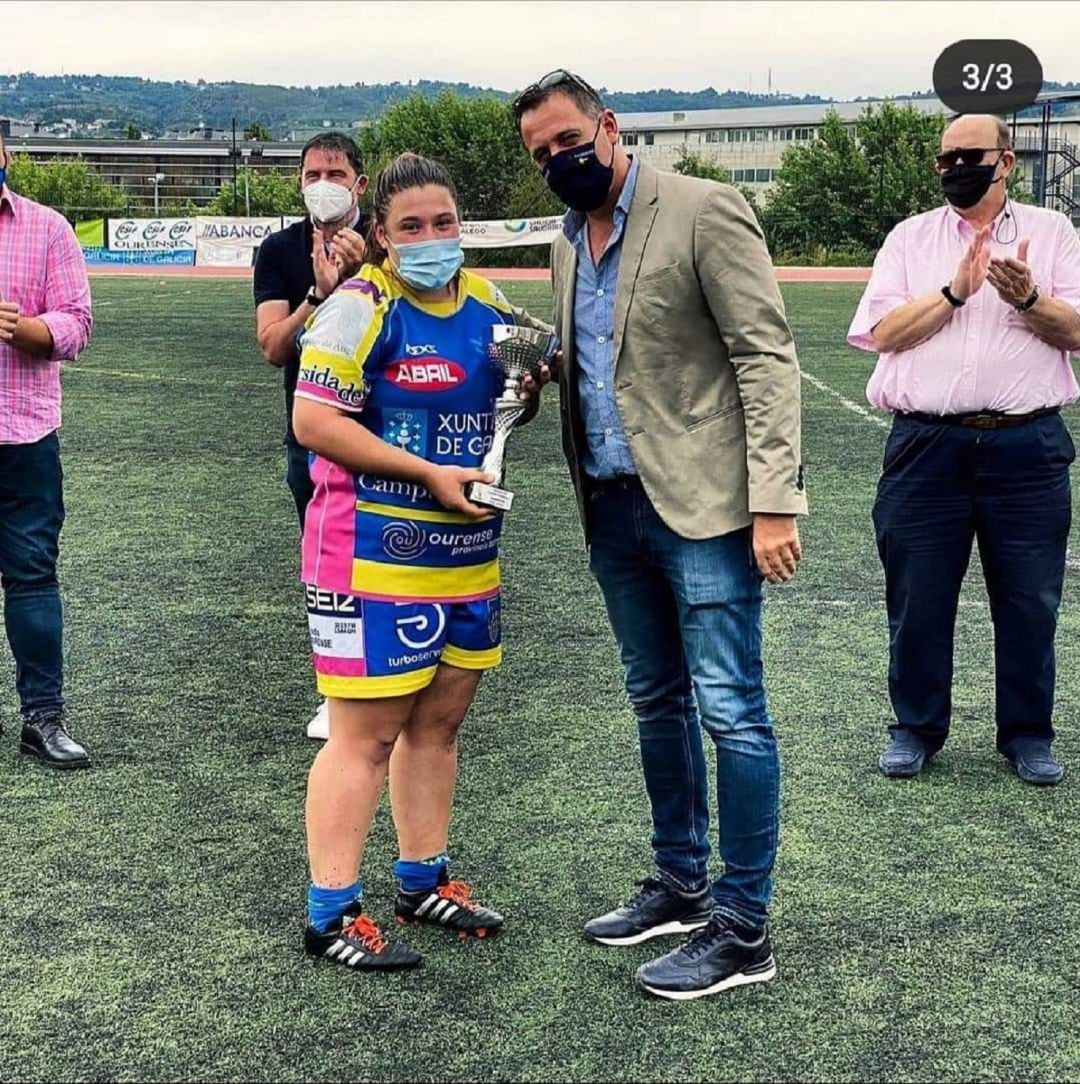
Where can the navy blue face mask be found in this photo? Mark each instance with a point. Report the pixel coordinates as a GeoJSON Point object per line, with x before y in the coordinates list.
{"type": "Point", "coordinates": [3, 176]}
{"type": "Point", "coordinates": [579, 178]}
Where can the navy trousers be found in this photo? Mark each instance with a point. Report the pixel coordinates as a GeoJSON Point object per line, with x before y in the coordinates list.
{"type": "Point", "coordinates": [943, 487]}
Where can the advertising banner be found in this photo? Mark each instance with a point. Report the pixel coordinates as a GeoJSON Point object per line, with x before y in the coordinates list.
{"type": "Point", "coordinates": [509, 233]}
{"type": "Point", "coordinates": [182, 257]}
{"type": "Point", "coordinates": [221, 241]}
{"type": "Point", "coordinates": [151, 234]}
{"type": "Point", "coordinates": [91, 234]}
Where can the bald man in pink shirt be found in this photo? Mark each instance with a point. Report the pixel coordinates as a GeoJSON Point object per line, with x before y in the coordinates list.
{"type": "Point", "coordinates": [974, 309]}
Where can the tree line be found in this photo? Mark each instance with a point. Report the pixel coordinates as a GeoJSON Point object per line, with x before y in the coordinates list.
{"type": "Point", "coordinates": [156, 105]}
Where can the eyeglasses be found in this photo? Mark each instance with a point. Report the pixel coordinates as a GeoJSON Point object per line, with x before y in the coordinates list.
{"type": "Point", "coordinates": [964, 156]}
{"type": "Point", "coordinates": [557, 78]}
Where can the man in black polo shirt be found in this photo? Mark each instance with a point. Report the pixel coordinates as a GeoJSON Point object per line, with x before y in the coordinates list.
{"type": "Point", "coordinates": [299, 267]}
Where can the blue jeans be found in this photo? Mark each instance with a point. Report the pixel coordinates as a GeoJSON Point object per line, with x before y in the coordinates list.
{"type": "Point", "coordinates": [31, 515]}
{"type": "Point", "coordinates": [943, 487]}
{"type": "Point", "coordinates": [687, 618]}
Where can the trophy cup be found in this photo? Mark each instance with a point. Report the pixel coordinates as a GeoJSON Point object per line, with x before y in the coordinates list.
{"type": "Point", "coordinates": [514, 351]}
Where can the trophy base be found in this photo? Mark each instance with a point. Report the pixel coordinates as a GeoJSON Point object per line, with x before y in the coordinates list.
{"type": "Point", "coordinates": [488, 496]}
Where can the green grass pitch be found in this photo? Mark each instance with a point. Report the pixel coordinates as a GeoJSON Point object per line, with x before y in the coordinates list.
{"type": "Point", "coordinates": [150, 910]}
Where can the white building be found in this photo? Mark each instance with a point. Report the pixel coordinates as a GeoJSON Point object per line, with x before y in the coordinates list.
{"type": "Point", "coordinates": [750, 143]}
{"type": "Point", "coordinates": [10, 126]}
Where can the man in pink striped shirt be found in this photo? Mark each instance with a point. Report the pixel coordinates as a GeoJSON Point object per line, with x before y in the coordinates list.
{"type": "Point", "coordinates": [44, 319]}
{"type": "Point", "coordinates": [974, 309]}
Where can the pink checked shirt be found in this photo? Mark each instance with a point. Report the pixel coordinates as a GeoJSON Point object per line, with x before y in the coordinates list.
{"type": "Point", "coordinates": [985, 357]}
{"type": "Point", "coordinates": [42, 269]}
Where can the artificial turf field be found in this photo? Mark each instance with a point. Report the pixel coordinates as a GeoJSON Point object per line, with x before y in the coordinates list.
{"type": "Point", "coordinates": [151, 909]}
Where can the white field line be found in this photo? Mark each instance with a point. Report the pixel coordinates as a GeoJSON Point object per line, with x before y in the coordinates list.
{"type": "Point", "coordinates": [177, 293]}
{"type": "Point", "coordinates": [846, 403]}
{"type": "Point", "coordinates": [159, 379]}
{"type": "Point", "coordinates": [775, 599]}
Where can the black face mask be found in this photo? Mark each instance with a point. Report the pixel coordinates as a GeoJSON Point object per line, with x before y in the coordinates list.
{"type": "Point", "coordinates": [579, 178]}
{"type": "Point", "coordinates": [964, 186]}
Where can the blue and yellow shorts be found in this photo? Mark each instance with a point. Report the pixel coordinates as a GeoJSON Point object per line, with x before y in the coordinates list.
{"type": "Point", "coordinates": [364, 648]}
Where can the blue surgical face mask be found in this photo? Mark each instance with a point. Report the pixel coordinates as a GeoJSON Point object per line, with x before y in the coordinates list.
{"type": "Point", "coordinates": [428, 265]}
{"type": "Point", "coordinates": [3, 176]}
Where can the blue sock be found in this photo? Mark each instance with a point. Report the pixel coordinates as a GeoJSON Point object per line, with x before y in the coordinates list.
{"type": "Point", "coordinates": [423, 875]}
{"type": "Point", "coordinates": [327, 905]}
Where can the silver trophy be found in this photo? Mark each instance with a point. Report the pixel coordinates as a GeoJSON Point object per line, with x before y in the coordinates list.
{"type": "Point", "coordinates": [514, 351]}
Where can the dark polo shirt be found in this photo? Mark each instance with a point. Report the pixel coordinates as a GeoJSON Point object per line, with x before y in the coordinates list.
{"type": "Point", "coordinates": [283, 272]}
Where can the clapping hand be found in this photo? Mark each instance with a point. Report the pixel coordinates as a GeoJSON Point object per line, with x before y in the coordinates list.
{"type": "Point", "coordinates": [347, 251]}
{"type": "Point", "coordinates": [971, 273]}
{"type": "Point", "coordinates": [1012, 278]}
{"type": "Point", "coordinates": [327, 273]}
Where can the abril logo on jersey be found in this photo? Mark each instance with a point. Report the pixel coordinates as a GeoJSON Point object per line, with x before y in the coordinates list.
{"type": "Point", "coordinates": [435, 375]}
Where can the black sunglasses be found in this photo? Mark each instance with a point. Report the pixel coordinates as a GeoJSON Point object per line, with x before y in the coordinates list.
{"type": "Point", "coordinates": [964, 156]}
{"type": "Point", "coordinates": [558, 78]}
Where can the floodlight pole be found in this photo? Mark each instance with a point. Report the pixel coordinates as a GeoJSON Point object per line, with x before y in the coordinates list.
{"type": "Point", "coordinates": [247, 182]}
{"type": "Point", "coordinates": [156, 180]}
{"type": "Point", "coordinates": [234, 155]}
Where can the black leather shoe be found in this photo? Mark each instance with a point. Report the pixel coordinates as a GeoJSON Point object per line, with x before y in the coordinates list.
{"type": "Point", "coordinates": [1035, 763]}
{"type": "Point", "coordinates": [719, 957]}
{"type": "Point", "coordinates": [44, 737]}
{"type": "Point", "coordinates": [905, 756]}
{"type": "Point", "coordinates": [656, 909]}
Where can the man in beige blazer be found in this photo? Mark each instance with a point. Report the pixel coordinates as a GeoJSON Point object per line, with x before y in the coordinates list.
{"type": "Point", "coordinates": [679, 394]}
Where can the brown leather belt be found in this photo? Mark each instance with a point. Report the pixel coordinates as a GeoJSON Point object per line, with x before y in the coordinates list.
{"type": "Point", "coordinates": [984, 419]}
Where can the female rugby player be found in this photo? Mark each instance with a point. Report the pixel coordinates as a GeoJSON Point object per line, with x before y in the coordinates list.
{"type": "Point", "coordinates": [395, 401]}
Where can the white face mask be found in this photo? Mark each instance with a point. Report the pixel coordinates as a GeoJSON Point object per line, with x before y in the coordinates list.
{"type": "Point", "coordinates": [327, 202]}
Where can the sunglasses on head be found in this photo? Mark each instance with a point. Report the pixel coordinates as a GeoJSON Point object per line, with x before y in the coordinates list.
{"type": "Point", "coordinates": [560, 77]}
{"type": "Point", "coordinates": [964, 156]}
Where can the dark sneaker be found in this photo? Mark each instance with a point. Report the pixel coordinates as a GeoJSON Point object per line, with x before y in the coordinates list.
{"type": "Point", "coordinates": [719, 957]}
{"type": "Point", "coordinates": [449, 905]}
{"type": "Point", "coordinates": [905, 756]}
{"type": "Point", "coordinates": [358, 943]}
{"type": "Point", "coordinates": [656, 909]}
{"type": "Point", "coordinates": [44, 737]}
{"type": "Point", "coordinates": [1035, 763]}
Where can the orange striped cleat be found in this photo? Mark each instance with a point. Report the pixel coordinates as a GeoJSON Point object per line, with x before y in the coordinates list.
{"type": "Point", "coordinates": [449, 905]}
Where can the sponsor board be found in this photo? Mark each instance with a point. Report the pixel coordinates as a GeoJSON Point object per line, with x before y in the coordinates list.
{"type": "Point", "coordinates": [151, 234]}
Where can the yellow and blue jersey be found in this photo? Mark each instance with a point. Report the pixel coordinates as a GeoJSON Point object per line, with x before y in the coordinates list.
{"type": "Point", "coordinates": [420, 376]}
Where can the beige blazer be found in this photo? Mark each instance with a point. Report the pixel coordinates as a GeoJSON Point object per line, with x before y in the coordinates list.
{"type": "Point", "coordinates": [706, 377]}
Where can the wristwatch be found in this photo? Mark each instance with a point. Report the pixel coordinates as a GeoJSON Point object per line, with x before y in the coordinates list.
{"type": "Point", "coordinates": [951, 297]}
{"type": "Point", "coordinates": [1030, 301]}
{"type": "Point", "coordinates": [313, 299]}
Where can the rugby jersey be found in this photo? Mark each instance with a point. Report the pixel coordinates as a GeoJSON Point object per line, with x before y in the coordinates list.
{"type": "Point", "coordinates": [419, 375]}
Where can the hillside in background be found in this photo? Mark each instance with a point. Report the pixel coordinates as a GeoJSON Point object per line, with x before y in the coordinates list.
{"type": "Point", "coordinates": [157, 106]}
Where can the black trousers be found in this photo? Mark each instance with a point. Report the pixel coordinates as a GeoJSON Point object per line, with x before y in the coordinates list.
{"type": "Point", "coordinates": [299, 479]}
{"type": "Point", "coordinates": [942, 487]}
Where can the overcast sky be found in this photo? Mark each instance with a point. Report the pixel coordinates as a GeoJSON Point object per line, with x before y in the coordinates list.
{"type": "Point", "coordinates": [843, 49]}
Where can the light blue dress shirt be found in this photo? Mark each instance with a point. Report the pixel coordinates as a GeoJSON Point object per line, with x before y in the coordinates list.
{"type": "Point", "coordinates": [607, 451]}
